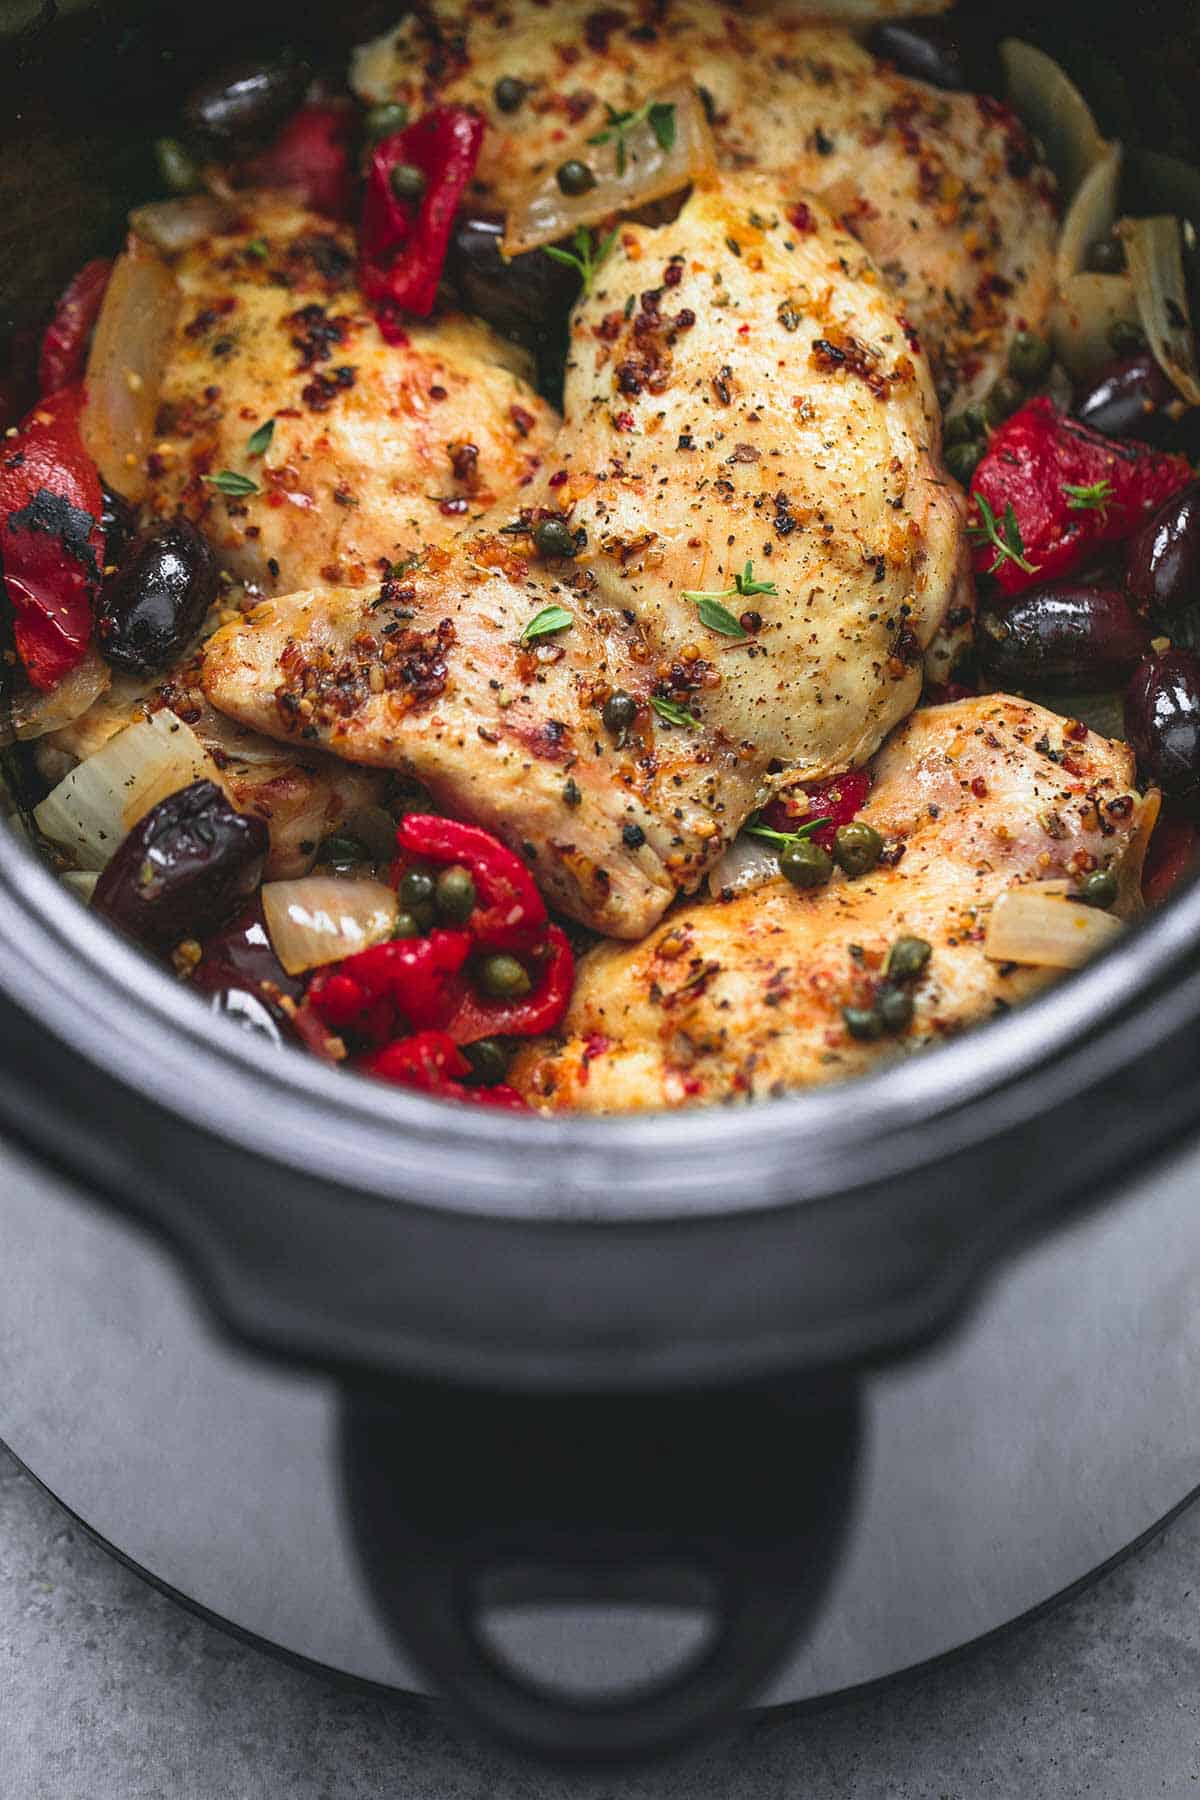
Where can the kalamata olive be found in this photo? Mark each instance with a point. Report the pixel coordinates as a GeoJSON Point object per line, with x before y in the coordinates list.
{"type": "Point", "coordinates": [248, 100]}
{"type": "Point", "coordinates": [527, 299]}
{"type": "Point", "coordinates": [248, 1011]}
{"type": "Point", "coordinates": [1061, 634]}
{"type": "Point", "coordinates": [183, 868]}
{"type": "Point", "coordinates": [1162, 723]}
{"type": "Point", "coordinates": [1162, 562]}
{"type": "Point", "coordinates": [239, 958]}
{"type": "Point", "coordinates": [1130, 398]}
{"type": "Point", "coordinates": [117, 522]}
{"type": "Point", "coordinates": [156, 602]}
{"type": "Point", "coordinates": [928, 51]}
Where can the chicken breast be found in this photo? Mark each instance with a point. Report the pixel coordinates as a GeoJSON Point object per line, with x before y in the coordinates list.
{"type": "Point", "coordinates": [376, 449]}
{"type": "Point", "coordinates": [944, 189]}
{"type": "Point", "coordinates": [741, 1000]}
{"type": "Point", "coordinates": [765, 544]}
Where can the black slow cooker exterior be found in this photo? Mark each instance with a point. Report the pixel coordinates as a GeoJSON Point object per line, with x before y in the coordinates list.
{"type": "Point", "coordinates": [617, 1351]}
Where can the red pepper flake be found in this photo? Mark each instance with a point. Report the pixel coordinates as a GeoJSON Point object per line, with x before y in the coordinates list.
{"type": "Point", "coordinates": [624, 421]}
{"type": "Point", "coordinates": [558, 478]}
{"type": "Point", "coordinates": [403, 243]}
{"type": "Point", "coordinates": [522, 419]}
{"type": "Point", "coordinates": [801, 217]}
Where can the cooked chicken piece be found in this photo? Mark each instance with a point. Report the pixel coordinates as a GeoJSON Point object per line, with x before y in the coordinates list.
{"type": "Point", "coordinates": [741, 1000]}
{"type": "Point", "coordinates": [738, 392]}
{"type": "Point", "coordinates": [377, 449]}
{"type": "Point", "coordinates": [944, 189]}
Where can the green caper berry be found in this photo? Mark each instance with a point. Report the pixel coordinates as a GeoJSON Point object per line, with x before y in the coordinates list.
{"type": "Point", "coordinates": [856, 848]}
{"type": "Point", "coordinates": [963, 459]}
{"type": "Point", "coordinates": [956, 430]}
{"type": "Point", "coordinates": [509, 93]}
{"type": "Point", "coordinates": [454, 895]}
{"type": "Point", "coordinates": [416, 889]}
{"type": "Point", "coordinates": [488, 1059]}
{"type": "Point", "coordinates": [1029, 358]}
{"type": "Point", "coordinates": [805, 864]}
{"type": "Point", "coordinates": [408, 182]}
{"type": "Point", "coordinates": [1098, 889]}
{"type": "Point", "coordinates": [504, 978]}
{"type": "Point", "coordinates": [554, 537]}
{"type": "Point", "coordinates": [1005, 397]}
{"type": "Point", "coordinates": [383, 120]}
{"type": "Point", "coordinates": [619, 711]}
{"type": "Point", "coordinates": [1105, 257]}
{"type": "Point", "coordinates": [977, 420]}
{"type": "Point", "coordinates": [177, 166]}
{"type": "Point", "coordinates": [406, 926]}
{"type": "Point", "coordinates": [895, 1008]}
{"type": "Point", "coordinates": [574, 177]}
{"type": "Point", "coordinates": [342, 848]}
{"type": "Point", "coordinates": [863, 1022]}
{"type": "Point", "coordinates": [907, 958]}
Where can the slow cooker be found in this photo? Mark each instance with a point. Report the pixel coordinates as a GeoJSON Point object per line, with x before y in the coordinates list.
{"type": "Point", "coordinates": [599, 1428]}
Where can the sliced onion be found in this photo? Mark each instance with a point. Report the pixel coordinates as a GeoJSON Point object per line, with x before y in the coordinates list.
{"type": "Point", "coordinates": [125, 367]}
{"type": "Point", "coordinates": [1046, 930]}
{"type": "Point", "coordinates": [93, 807]}
{"type": "Point", "coordinates": [175, 225]}
{"type": "Point", "coordinates": [1154, 251]}
{"type": "Point", "coordinates": [1130, 902]}
{"type": "Point", "coordinates": [34, 713]}
{"type": "Point", "coordinates": [1043, 95]}
{"type": "Point", "coordinates": [1085, 310]}
{"type": "Point", "coordinates": [543, 213]}
{"type": "Point", "coordinates": [321, 918]}
{"type": "Point", "coordinates": [748, 863]}
{"type": "Point", "coordinates": [82, 883]}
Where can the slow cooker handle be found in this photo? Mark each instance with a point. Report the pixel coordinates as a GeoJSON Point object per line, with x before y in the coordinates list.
{"type": "Point", "coordinates": [461, 1501]}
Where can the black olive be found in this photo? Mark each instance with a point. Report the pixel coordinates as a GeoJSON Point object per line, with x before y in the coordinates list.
{"type": "Point", "coordinates": [1130, 398]}
{"type": "Point", "coordinates": [248, 1011]}
{"type": "Point", "coordinates": [509, 93]}
{"type": "Point", "coordinates": [1162, 722]}
{"type": "Point", "coordinates": [117, 523]}
{"type": "Point", "coordinates": [554, 537]}
{"type": "Point", "coordinates": [574, 177]}
{"type": "Point", "coordinates": [929, 51]}
{"type": "Point", "coordinates": [156, 602]}
{"type": "Point", "coordinates": [1162, 561]}
{"type": "Point", "coordinates": [247, 101]}
{"type": "Point", "coordinates": [238, 960]}
{"type": "Point", "coordinates": [528, 299]}
{"type": "Point", "coordinates": [1061, 634]}
{"type": "Point", "coordinates": [183, 868]}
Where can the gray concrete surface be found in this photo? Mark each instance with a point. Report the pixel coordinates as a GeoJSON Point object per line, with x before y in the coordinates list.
{"type": "Point", "coordinates": [108, 1691]}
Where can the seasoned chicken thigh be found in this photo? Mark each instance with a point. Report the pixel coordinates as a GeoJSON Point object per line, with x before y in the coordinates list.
{"type": "Point", "coordinates": [739, 392]}
{"type": "Point", "coordinates": [742, 1000]}
{"type": "Point", "coordinates": [942, 188]}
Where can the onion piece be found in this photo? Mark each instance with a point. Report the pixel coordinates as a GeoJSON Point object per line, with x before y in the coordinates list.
{"type": "Point", "coordinates": [1154, 251]}
{"type": "Point", "coordinates": [93, 807]}
{"type": "Point", "coordinates": [748, 863]}
{"type": "Point", "coordinates": [82, 883]}
{"type": "Point", "coordinates": [125, 367]}
{"type": "Point", "coordinates": [544, 214]}
{"type": "Point", "coordinates": [1046, 930]}
{"type": "Point", "coordinates": [175, 225]}
{"type": "Point", "coordinates": [34, 713]}
{"type": "Point", "coordinates": [320, 919]}
{"type": "Point", "coordinates": [1085, 310]}
{"type": "Point", "coordinates": [1047, 101]}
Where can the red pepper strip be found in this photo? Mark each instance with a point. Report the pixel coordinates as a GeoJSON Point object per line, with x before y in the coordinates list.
{"type": "Point", "coordinates": [65, 342]}
{"type": "Point", "coordinates": [51, 541]}
{"type": "Point", "coordinates": [407, 979]}
{"type": "Point", "coordinates": [839, 800]}
{"type": "Point", "coordinates": [511, 914]}
{"type": "Point", "coordinates": [1032, 461]}
{"type": "Point", "coordinates": [431, 1063]}
{"type": "Point", "coordinates": [476, 1016]}
{"type": "Point", "coordinates": [1171, 854]}
{"type": "Point", "coordinates": [403, 243]}
{"type": "Point", "coordinates": [312, 155]}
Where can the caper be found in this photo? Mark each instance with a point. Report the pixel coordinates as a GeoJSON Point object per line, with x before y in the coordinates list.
{"type": "Point", "coordinates": [863, 1022]}
{"type": "Point", "coordinates": [177, 166]}
{"type": "Point", "coordinates": [895, 1008]}
{"type": "Point", "coordinates": [1004, 397]}
{"type": "Point", "coordinates": [341, 848]}
{"type": "Point", "coordinates": [856, 848]}
{"type": "Point", "coordinates": [416, 890]}
{"type": "Point", "coordinates": [619, 712]}
{"type": "Point", "coordinates": [488, 1059]}
{"type": "Point", "coordinates": [1126, 338]}
{"type": "Point", "coordinates": [504, 978]}
{"type": "Point", "coordinates": [907, 958]}
{"type": "Point", "coordinates": [977, 420]}
{"type": "Point", "coordinates": [574, 177]}
{"type": "Point", "coordinates": [509, 93]}
{"type": "Point", "coordinates": [1098, 889]}
{"type": "Point", "coordinates": [805, 864]}
{"type": "Point", "coordinates": [408, 182]}
{"type": "Point", "coordinates": [1105, 257]}
{"type": "Point", "coordinates": [406, 926]}
{"type": "Point", "coordinates": [454, 895]}
{"type": "Point", "coordinates": [384, 120]}
{"type": "Point", "coordinates": [1029, 358]}
{"type": "Point", "coordinates": [963, 459]}
{"type": "Point", "coordinates": [956, 430]}
{"type": "Point", "coordinates": [554, 537]}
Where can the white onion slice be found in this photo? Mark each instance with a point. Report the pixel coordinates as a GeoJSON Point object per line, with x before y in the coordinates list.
{"type": "Point", "coordinates": [543, 214]}
{"type": "Point", "coordinates": [1047, 100]}
{"type": "Point", "coordinates": [1154, 251]}
{"type": "Point", "coordinates": [1085, 310]}
{"type": "Point", "coordinates": [1046, 930]}
{"type": "Point", "coordinates": [321, 918]}
{"type": "Point", "coordinates": [125, 367]}
{"type": "Point", "coordinates": [748, 863]}
{"type": "Point", "coordinates": [175, 225]}
{"type": "Point", "coordinates": [82, 883]}
{"type": "Point", "coordinates": [93, 807]}
{"type": "Point", "coordinates": [34, 713]}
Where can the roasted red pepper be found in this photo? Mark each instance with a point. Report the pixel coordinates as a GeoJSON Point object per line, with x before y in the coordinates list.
{"type": "Point", "coordinates": [403, 242]}
{"type": "Point", "coordinates": [839, 800]}
{"type": "Point", "coordinates": [433, 1064]}
{"type": "Point", "coordinates": [478, 1016]}
{"type": "Point", "coordinates": [65, 341]}
{"type": "Point", "coordinates": [51, 540]}
{"type": "Point", "coordinates": [511, 914]}
{"type": "Point", "coordinates": [407, 984]}
{"type": "Point", "coordinates": [312, 156]}
{"type": "Point", "coordinates": [1048, 492]}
